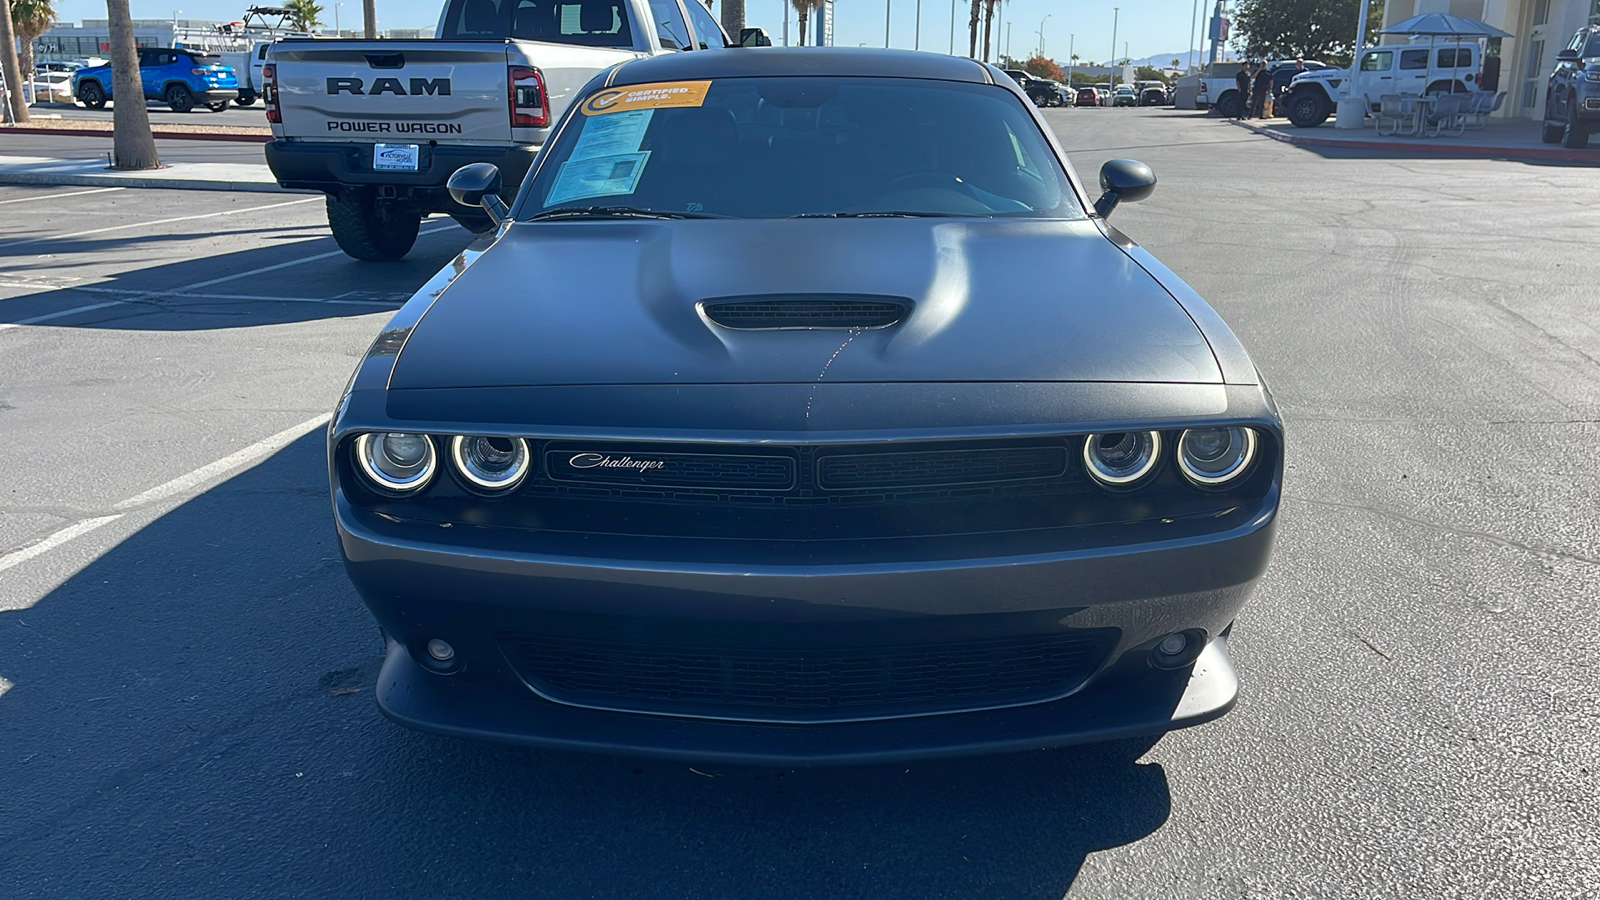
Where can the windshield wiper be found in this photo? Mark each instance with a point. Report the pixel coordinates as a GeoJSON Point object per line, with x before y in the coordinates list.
{"type": "Point", "coordinates": [887, 214]}
{"type": "Point", "coordinates": [618, 212]}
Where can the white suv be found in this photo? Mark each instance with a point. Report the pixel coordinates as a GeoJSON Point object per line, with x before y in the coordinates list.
{"type": "Point", "coordinates": [1390, 69]}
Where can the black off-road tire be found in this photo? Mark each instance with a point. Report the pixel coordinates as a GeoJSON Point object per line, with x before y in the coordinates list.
{"type": "Point", "coordinates": [217, 107]}
{"type": "Point", "coordinates": [178, 98]}
{"type": "Point", "coordinates": [1574, 136]}
{"type": "Point", "coordinates": [92, 95]}
{"type": "Point", "coordinates": [365, 228]}
{"type": "Point", "coordinates": [1306, 110]}
{"type": "Point", "coordinates": [245, 98]}
{"type": "Point", "coordinates": [1230, 105]}
{"type": "Point", "coordinates": [1551, 132]}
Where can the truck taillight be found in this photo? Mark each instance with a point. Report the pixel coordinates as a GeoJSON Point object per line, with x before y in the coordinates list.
{"type": "Point", "coordinates": [269, 93]}
{"type": "Point", "coordinates": [526, 88]}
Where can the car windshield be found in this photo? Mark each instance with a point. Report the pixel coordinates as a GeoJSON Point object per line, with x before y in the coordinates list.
{"type": "Point", "coordinates": [1593, 48]}
{"type": "Point", "coordinates": [779, 147]}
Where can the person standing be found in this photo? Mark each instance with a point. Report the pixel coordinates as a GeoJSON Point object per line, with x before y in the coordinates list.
{"type": "Point", "coordinates": [1261, 87]}
{"type": "Point", "coordinates": [1241, 81]}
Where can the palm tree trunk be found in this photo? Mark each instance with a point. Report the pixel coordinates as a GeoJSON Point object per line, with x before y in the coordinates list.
{"type": "Point", "coordinates": [988, 25]}
{"type": "Point", "coordinates": [369, 18]}
{"type": "Point", "coordinates": [972, 30]}
{"type": "Point", "coordinates": [732, 18]}
{"type": "Point", "coordinates": [132, 146]}
{"type": "Point", "coordinates": [8, 64]}
{"type": "Point", "coordinates": [800, 23]}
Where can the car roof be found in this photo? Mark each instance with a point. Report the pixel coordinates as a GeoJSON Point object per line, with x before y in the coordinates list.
{"type": "Point", "coordinates": [745, 62]}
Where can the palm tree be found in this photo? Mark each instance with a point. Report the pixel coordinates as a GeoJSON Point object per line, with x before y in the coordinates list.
{"type": "Point", "coordinates": [802, 9]}
{"type": "Point", "coordinates": [972, 29]}
{"type": "Point", "coordinates": [988, 24]}
{"type": "Point", "coordinates": [29, 19]}
{"type": "Point", "coordinates": [9, 71]}
{"type": "Point", "coordinates": [304, 15]}
{"type": "Point", "coordinates": [733, 18]}
{"type": "Point", "coordinates": [369, 18]}
{"type": "Point", "coordinates": [132, 146]}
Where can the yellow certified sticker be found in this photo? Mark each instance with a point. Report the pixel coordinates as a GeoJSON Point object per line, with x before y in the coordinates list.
{"type": "Point", "coordinates": [647, 96]}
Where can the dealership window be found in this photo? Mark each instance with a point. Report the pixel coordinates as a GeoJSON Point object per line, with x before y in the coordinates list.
{"type": "Point", "coordinates": [1541, 12]}
{"type": "Point", "coordinates": [1534, 77]}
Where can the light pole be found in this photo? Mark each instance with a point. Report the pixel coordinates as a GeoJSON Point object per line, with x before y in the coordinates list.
{"type": "Point", "coordinates": [1115, 11]}
{"type": "Point", "coordinates": [1008, 41]}
{"type": "Point", "coordinates": [336, 19]}
{"type": "Point", "coordinates": [952, 27]}
{"type": "Point", "coordinates": [1072, 46]}
{"type": "Point", "coordinates": [888, 8]}
{"type": "Point", "coordinates": [916, 39]}
{"type": "Point", "coordinates": [1041, 34]}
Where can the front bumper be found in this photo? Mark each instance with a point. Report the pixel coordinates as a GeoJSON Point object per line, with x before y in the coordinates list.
{"type": "Point", "coordinates": [421, 588]}
{"type": "Point", "coordinates": [334, 166]}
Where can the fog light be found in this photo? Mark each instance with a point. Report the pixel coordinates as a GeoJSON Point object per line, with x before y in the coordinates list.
{"type": "Point", "coordinates": [1178, 649]}
{"type": "Point", "coordinates": [440, 650]}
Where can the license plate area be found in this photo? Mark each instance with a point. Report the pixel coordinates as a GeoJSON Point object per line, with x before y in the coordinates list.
{"type": "Point", "coordinates": [396, 157]}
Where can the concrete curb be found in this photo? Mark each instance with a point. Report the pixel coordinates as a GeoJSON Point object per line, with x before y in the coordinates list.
{"type": "Point", "coordinates": [143, 181]}
{"type": "Point", "coordinates": [1471, 151]}
{"type": "Point", "coordinates": [159, 135]}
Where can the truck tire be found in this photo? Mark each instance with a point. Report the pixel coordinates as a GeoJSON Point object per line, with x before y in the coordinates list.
{"type": "Point", "coordinates": [1230, 105]}
{"type": "Point", "coordinates": [1574, 136]}
{"type": "Point", "coordinates": [92, 95]}
{"type": "Point", "coordinates": [217, 107]}
{"type": "Point", "coordinates": [365, 228]}
{"type": "Point", "coordinates": [179, 98]}
{"type": "Point", "coordinates": [245, 98]}
{"type": "Point", "coordinates": [1551, 132]}
{"type": "Point", "coordinates": [1306, 110]}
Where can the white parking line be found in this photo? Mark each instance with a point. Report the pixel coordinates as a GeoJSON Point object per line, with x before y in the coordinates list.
{"type": "Point", "coordinates": [153, 222]}
{"type": "Point", "coordinates": [59, 315]}
{"type": "Point", "coordinates": [182, 484]}
{"type": "Point", "coordinates": [59, 196]}
{"type": "Point", "coordinates": [54, 541]}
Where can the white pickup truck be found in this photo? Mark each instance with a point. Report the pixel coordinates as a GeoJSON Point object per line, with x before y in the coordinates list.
{"type": "Point", "coordinates": [379, 126]}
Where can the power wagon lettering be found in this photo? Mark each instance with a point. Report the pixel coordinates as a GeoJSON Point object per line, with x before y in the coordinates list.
{"type": "Point", "coordinates": [419, 86]}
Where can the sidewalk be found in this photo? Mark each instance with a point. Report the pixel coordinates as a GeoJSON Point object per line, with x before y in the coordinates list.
{"type": "Point", "coordinates": [1500, 139]}
{"type": "Point", "coordinates": [182, 175]}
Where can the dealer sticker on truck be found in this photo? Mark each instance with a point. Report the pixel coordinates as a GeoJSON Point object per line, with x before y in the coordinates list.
{"type": "Point", "coordinates": [395, 157]}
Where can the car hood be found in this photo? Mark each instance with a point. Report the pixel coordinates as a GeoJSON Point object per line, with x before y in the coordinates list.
{"type": "Point", "coordinates": [617, 302]}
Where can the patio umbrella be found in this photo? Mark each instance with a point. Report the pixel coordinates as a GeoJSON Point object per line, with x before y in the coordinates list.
{"type": "Point", "coordinates": [1445, 25]}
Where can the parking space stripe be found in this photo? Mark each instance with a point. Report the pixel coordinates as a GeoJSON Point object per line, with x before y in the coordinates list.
{"type": "Point", "coordinates": [55, 540]}
{"type": "Point", "coordinates": [59, 315]}
{"type": "Point", "coordinates": [61, 196]}
{"type": "Point", "coordinates": [154, 222]}
{"type": "Point", "coordinates": [256, 451]}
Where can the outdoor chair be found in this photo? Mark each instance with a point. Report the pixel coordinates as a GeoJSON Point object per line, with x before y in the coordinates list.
{"type": "Point", "coordinates": [1448, 114]}
{"type": "Point", "coordinates": [1397, 114]}
{"type": "Point", "coordinates": [1483, 105]}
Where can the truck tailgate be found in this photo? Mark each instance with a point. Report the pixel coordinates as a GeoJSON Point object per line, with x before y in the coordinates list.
{"type": "Point", "coordinates": [390, 90]}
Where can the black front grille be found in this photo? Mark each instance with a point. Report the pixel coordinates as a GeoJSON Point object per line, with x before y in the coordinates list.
{"type": "Point", "coordinates": [647, 467]}
{"type": "Point", "coordinates": [806, 312]}
{"type": "Point", "coordinates": [849, 471]}
{"type": "Point", "coordinates": [806, 685]}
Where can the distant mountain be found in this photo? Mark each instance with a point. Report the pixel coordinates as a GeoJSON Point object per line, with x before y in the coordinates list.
{"type": "Point", "coordinates": [1164, 60]}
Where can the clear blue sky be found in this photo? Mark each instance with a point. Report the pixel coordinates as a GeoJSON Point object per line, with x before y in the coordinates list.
{"type": "Point", "coordinates": [1146, 26]}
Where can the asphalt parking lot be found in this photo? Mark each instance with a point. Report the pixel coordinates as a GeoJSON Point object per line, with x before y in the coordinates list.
{"type": "Point", "coordinates": [185, 675]}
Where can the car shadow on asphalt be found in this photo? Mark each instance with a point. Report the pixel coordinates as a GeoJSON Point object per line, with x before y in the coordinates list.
{"type": "Point", "coordinates": [203, 294]}
{"type": "Point", "coordinates": [191, 714]}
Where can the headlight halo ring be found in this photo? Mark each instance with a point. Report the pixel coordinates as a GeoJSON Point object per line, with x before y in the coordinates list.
{"type": "Point", "coordinates": [1246, 457]}
{"type": "Point", "coordinates": [1100, 472]}
{"type": "Point", "coordinates": [380, 481]}
{"type": "Point", "coordinates": [522, 463]}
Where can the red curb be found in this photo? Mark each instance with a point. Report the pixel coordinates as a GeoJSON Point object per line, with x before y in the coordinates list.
{"type": "Point", "coordinates": [1477, 151]}
{"type": "Point", "coordinates": [163, 135]}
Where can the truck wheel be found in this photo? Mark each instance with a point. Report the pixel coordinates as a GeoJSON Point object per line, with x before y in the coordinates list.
{"type": "Point", "coordinates": [365, 228]}
{"type": "Point", "coordinates": [92, 95]}
{"type": "Point", "coordinates": [1551, 132]}
{"type": "Point", "coordinates": [1574, 136]}
{"type": "Point", "coordinates": [179, 98]}
{"type": "Point", "coordinates": [245, 98]}
{"type": "Point", "coordinates": [217, 107]}
{"type": "Point", "coordinates": [1230, 105]}
{"type": "Point", "coordinates": [1306, 110]}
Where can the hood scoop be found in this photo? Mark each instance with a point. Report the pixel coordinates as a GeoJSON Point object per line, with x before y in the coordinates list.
{"type": "Point", "coordinates": [806, 311]}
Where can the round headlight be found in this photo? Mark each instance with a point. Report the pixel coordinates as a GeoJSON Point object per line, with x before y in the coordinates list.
{"type": "Point", "coordinates": [1122, 457]}
{"type": "Point", "coordinates": [1211, 457]}
{"type": "Point", "coordinates": [395, 461]}
{"type": "Point", "coordinates": [491, 463]}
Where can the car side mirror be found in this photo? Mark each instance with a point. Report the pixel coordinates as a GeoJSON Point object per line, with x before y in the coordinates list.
{"type": "Point", "coordinates": [478, 184]}
{"type": "Point", "coordinates": [754, 37]}
{"type": "Point", "coordinates": [1568, 55]}
{"type": "Point", "coordinates": [1123, 179]}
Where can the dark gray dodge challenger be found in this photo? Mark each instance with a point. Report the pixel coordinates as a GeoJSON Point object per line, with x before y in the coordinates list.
{"type": "Point", "coordinates": [804, 408]}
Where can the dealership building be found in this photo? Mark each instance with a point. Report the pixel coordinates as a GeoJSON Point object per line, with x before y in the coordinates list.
{"type": "Point", "coordinates": [1538, 28]}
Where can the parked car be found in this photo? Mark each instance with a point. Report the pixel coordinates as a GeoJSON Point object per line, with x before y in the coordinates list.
{"type": "Point", "coordinates": [1389, 69]}
{"type": "Point", "coordinates": [182, 79]}
{"type": "Point", "coordinates": [1124, 96]}
{"type": "Point", "coordinates": [1087, 96]}
{"type": "Point", "coordinates": [1572, 99]}
{"type": "Point", "coordinates": [378, 126]}
{"type": "Point", "coordinates": [1040, 91]}
{"type": "Point", "coordinates": [52, 87]}
{"type": "Point", "coordinates": [590, 487]}
{"type": "Point", "coordinates": [1153, 96]}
